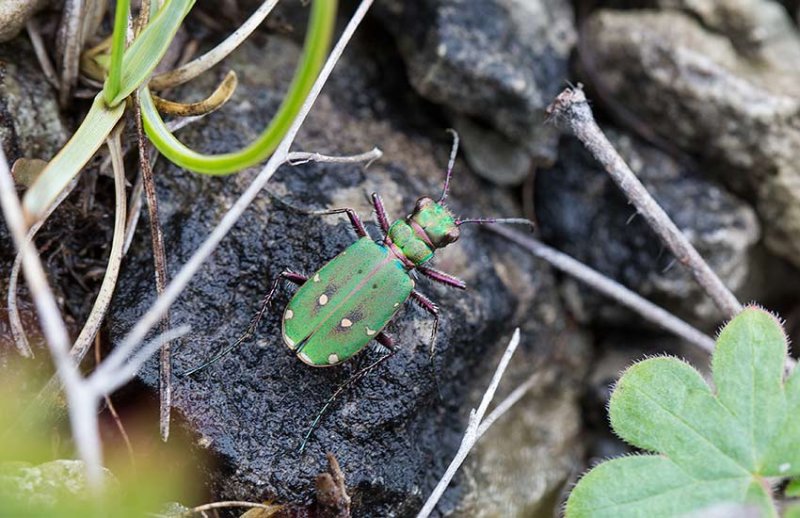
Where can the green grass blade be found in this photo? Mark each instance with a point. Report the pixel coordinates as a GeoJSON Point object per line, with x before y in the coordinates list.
{"type": "Point", "coordinates": [69, 161]}
{"type": "Point", "coordinates": [321, 24]}
{"type": "Point", "coordinates": [146, 51]}
{"type": "Point", "coordinates": [118, 40]}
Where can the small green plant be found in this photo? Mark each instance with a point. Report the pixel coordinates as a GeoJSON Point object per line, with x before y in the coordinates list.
{"type": "Point", "coordinates": [731, 445]}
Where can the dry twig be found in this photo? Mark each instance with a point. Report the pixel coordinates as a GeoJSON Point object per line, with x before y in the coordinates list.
{"type": "Point", "coordinates": [83, 394]}
{"type": "Point", "coordinates": [209, 59]}
{"type": "Point", "coordinates": [572, 110]}
{"type": "Point", "coordinates": [160, 264]}
{"type": "Point", "coordinates": [473, 433]}
{"type": "Point", "coordinates": [609, 287]}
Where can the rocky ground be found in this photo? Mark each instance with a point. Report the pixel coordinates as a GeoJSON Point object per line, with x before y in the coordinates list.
{"type": "Point", "coordinates": [702, 100]}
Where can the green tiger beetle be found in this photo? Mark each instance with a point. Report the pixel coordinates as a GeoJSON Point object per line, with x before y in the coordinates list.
{"type": "Point", "coordinates": [346, 304]}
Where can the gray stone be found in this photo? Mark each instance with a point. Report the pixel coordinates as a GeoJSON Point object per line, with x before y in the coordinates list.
{"type": "Point", "coordinates": [392, 434]}
{"type": "Point", "coordinates": [31, 125]}
{"type": "Point", "coordinates": [15, 13]}
{"type": "Point", "coordinates": [582, 212]}
{"type": "Point", "coordinates": [499, 61]}
{"type": "Point", "coordinates": [732, 101]}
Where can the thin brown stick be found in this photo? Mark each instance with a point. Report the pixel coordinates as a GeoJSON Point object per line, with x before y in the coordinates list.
{"type": "Point", "coordinates": [112, 410]}
{"type": "Point", "coordinates": [160, 261]}
{"type": "Point", "coordinates": [572, 110]}
{"type": "Point", "coordinates": [609, 287]}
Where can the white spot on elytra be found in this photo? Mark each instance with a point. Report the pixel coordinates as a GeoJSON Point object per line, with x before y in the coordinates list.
{"type": "Point", "coordinates": [316, 278]}
{"type": "Point", "coordinates": [346, 323]}
{"type": "Point", "coordinates": [305, 358]}
{"type": "Point", "coordinates": [333, 358]}
{"type": "Point", "coordinates": [370, 332]}
{"type": "Point", "coordinates": [783, 468]}
{"type": "Point", "coordinates": [323, 299]}
{"type": "Point", "coordinates": [289, 314]}
{"type": "Point", "coordinates": [289, 342]}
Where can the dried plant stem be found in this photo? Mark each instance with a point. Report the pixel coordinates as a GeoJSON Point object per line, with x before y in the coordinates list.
{"type": "Point", "coordinates": [505, 405]}
{"type": "Point", "coordinates": [197, 66]}
{"type": "Point", "coordinates": [609, 287]}
{"type": "Point", "coordinates": [228, 504]}
{"type": "Point", "coordinates": [14, 319]}
{"type": "Point", "coordinates": [53, 327]}
{"type": "Point", "coordinates": [160, 263]}
{"type": "Point", "coordinates": [83, 395]}
{"type": "Point", "coordinates": [472, 433]}
{"type": "Point", "coordinates": [101, 303]}
{"type": "Point", "coordinates": [183, 277]}
{"type": "Point", "coordinates": [70, 42]}
{"type": "Point", "coordinates": [32, 26]}
{"type": "Point", "coordinates": [572, 110]}
{"type": "Point", "coordinates": [298, 157]}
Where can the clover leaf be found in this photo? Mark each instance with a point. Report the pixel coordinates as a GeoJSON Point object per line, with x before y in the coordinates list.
{"type": "Point", "coordinates": [728, 445]}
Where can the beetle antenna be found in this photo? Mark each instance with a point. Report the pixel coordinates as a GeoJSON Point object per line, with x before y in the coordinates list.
{"type": "Point", "coordinates": [214, 359]}
{"type": "Point", "coordinates": [450, 164]}
{"type": "Point", "coordinates": [506, 221]}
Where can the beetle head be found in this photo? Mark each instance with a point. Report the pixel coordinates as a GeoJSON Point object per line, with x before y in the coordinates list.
{"type": "Point", "coordinates": [436, 220]}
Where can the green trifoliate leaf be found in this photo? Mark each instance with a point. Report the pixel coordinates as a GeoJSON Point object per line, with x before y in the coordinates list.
{"type": "Point", "coordinates": [713, 446]}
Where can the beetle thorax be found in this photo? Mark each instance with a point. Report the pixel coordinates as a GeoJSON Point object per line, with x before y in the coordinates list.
{"type": "Point", "coordinates": [429, 227]}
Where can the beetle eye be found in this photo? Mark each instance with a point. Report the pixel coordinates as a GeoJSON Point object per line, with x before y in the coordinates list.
{"type": "Point", "coordinates": [422, 203]}
{"type": "Point", "coordinates": [452, 235]}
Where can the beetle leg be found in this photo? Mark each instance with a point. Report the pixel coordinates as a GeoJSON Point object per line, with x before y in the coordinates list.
{"type": "Point", "coordinates": [380, 212]}
{"type": "Point", "coordinates": [355, 221]}
{"type": "Point", "coordinates": [442, 277]}
{"type": "Point", "coordinates": [428, 305]}
{"type": "Point", "coordinates": [385, 340]}
{"type": "Point", "coordinates": [355, 377]}
{"type": "Point", "coordinates": [296, 278]}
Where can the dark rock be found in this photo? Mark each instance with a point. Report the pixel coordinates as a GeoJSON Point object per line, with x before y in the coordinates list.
{"type": "Point", "coordinates": [498, 61]}
{"type": "Point", "coordinates": [582, 212]}
{"type": "Point", "coordinates": [722, 83]}
{"type": "Point", "coordinates": [392, 434]}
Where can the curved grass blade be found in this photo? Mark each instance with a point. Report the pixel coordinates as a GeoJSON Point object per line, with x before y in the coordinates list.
{"type": "Point", "coordinates": [146, 51]}
{"type": "Point", "coordinates": [317, 43]}
{"type": "Point", "coordinates": [69, 161]}
{"type": "Point", "coordinates": [119, 38]}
